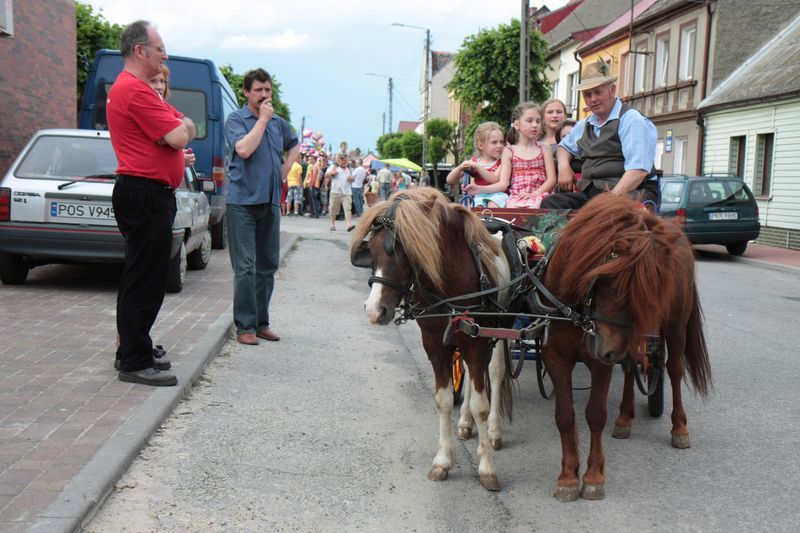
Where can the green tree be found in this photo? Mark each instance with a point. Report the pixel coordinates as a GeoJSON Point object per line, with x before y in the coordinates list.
{"type": "Point", "coordinates": [236, 81]}
{"type": "Point", "coordinates": [93, 33]}
{"type": "Point", "coordinates": [440, 134]}
{"type": "Point", "coordinates": [487, 73]}
{"type": "Point", "coordinates": [381, 143]}
{"type": "Point", "coordinates": [412, 146]}
{"type": "Point", "coordinates": [392, 148]}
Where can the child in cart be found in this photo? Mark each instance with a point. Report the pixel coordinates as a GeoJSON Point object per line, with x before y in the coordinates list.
{"type": "Point", "coordinates": [483, 168]}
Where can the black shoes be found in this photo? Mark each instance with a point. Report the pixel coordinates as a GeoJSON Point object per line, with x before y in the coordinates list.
{"type": "Point", "coordinates": [149, 376]}
{"type": "Point", "coordinates": [160, 362]}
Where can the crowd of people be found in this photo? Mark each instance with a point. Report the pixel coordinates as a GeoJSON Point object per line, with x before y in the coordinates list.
{"type": "Point", "coordinates": [340, 186]}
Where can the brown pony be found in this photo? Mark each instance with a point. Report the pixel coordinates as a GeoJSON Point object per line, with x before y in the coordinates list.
{"type": "Point", "coordinates": [630, 273]}
{"type": "Point", "coordinates": [418, 248]}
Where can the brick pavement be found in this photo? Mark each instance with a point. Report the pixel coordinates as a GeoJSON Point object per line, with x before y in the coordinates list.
{"type": "Point", "coordinates": [60, 400]}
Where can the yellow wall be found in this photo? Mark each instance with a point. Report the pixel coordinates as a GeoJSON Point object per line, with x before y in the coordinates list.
{"type": "Point", "coordinates": [613, 51]}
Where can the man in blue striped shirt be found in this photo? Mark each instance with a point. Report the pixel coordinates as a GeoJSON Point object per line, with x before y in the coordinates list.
{"type": "Point", "coordinates": [617, 145]}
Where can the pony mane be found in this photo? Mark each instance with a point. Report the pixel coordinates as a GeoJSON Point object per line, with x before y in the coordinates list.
{"type": "Point", "coordinates": [614, 237]}
{"type": "Point", "coordinates": [419, 219]}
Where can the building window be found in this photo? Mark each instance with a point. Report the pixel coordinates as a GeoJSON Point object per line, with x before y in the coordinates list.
{"type": "Point", "coordinates": [763, 175]}
{"type": "Point", "coordinates": [659, 154]}
{"type": "Point", "coordinates": [555, 89]}
{"type": "Point", "coordinates": [736, 156]}
{"type": "Point", "coordinates": [679, 154]}
{"type": "Point", "coordinates": [640, 67]}
{"type": "Point", "coordinates": [662, 60]}
{"type": "Point", "coordinates": [687, 46]}
{"type": "Point", "coordinates": [6, 18]}
{"type": "Point", "coordinates": [572, 93]}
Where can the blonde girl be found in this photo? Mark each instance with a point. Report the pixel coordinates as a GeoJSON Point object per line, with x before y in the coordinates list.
{"type": "Point", "coordinates": [554, 115]}
{"type": "Point", "coordinates": [527, 169]}
{"type": "Point", "coordinates": [484, 165]}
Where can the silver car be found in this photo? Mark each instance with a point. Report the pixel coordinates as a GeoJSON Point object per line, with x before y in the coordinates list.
{"type": "Point", "coordinates": [55, 207]}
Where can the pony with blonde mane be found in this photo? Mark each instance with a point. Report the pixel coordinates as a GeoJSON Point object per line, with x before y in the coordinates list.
{"type": "Point", "coordinates": [423, 250]}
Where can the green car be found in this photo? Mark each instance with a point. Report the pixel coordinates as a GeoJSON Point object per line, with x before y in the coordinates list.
{"type": "Point", "coordinates": [712, 209]}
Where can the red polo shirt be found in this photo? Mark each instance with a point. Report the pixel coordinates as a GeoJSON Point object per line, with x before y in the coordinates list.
{"type": "Point", "coordinates": [137, 119]}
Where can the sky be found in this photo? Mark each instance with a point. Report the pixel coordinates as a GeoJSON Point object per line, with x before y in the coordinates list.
{"type": "Point", "coordinates": [320, 50]}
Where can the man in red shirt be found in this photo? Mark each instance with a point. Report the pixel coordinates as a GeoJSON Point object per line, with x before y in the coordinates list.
{"type": "Point", "coordinates": [148, 136]}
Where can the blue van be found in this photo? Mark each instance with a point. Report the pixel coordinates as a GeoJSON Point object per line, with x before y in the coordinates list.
{"type": "Point", "coordinates": [198, 90]}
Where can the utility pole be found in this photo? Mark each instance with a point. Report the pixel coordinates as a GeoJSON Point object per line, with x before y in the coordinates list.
{"type": "Point", "coordinates": [391, 92]}
{"type": "Point", "coordinates": [524, 51]}
{"type": "Point", "coordinates": [383, 126]}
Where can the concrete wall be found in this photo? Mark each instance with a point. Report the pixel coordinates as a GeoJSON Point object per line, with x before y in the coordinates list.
{"type": "Point", "coordinates": [37, 73]}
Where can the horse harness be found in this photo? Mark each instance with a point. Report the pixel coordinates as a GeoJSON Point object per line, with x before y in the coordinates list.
{"type": "Point", "coordinates": [528, 284]}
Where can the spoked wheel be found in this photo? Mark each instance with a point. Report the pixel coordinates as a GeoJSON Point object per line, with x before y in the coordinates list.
{"type": "Point", "coordinates": [458, 377]}
{"type": "Point", "coordinates": [649, 376]}
{"type": "Point", "coordinates": [542, 376]}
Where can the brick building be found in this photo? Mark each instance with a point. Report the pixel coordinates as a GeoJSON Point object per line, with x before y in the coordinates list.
{"type": "Point", "coordinates": [38, 75]}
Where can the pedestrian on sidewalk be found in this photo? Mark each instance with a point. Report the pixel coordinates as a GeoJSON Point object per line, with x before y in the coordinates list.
{"type": "Point", "coordinates": [357, 187]}
{"type": "Point", "coordinates": [341, 193]}
{"type": "Point", "coordinates": [312, 184]}
{"type": "Point", "coordinates": [148, 136]}
{"type": "Point", "coordinates": [295, 195]}
{"type": "Point", "coordinates": [259, 138]}
{"type": "Point", "coordinates": [385, 179]}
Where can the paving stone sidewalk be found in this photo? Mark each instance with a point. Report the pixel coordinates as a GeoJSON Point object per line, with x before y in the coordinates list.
{"type": "Point", "coordinates": [60, 399]}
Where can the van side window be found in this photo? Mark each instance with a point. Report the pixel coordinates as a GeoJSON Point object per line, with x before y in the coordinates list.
{"type": "Point", "coordinates": [192, 104]}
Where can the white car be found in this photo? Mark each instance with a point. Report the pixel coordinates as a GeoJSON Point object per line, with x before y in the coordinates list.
{"type": "Point", "coordinates": [55, 207]}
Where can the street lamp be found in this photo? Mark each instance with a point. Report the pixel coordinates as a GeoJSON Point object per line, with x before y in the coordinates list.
{"type": "Point", "coordinates": [426, 98]}
{"type": "Point", "coordinates": [390, 96]}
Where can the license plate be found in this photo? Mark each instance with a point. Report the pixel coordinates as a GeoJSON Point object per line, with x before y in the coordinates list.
{"type": "Point", "coordinates": [83, 211]}
{"type": "Point", "coordinates": [727, 215]}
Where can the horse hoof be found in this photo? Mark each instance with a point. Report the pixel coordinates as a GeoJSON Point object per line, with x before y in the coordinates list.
{"type": "Point", "coordinates": [489, 482]}
{"type": "Point", "coordinates": [567, 494]}
{"type": "Point", "coordinates": [593, 492]}
{"type": "Point", "coordinates": [496, 443]}
{"type": "Point", "coordinates": [437, 473]}
{"type": "Point", "coordinates": [621, 432]}
{"type": "Point", "coordinates": [681, 442]}
{"type": "Point", "coordinates": [464, 432]}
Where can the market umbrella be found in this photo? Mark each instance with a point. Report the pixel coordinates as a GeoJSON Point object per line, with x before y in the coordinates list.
{"type": "Point", "coordinates": [403, 163]}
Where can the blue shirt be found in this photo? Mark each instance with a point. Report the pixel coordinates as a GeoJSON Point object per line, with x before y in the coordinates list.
{"type": "Point", "coordinates": [257, 179]}
{"type": "Point", "coordinates": [637, 134]}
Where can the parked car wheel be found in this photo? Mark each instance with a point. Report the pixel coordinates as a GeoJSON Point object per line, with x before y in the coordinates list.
{"type": "Point", "coordinates": [736, 248]}
{"type": "Point", "coordinates": [219, 236]}
{"type": "Point", "coordinates": [198, 259]}
{"type": "Point", "coordinates": [177, 271]}
{"type": "Point", "coordinates": [13, 269]}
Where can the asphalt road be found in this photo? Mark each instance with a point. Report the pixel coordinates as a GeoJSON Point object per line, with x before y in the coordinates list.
{"type": "Point", "coordinates": [334, 427]}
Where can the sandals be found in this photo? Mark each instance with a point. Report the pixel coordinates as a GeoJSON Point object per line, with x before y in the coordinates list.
{"type": "Point", "coordinates": [351, 228]}
{"type": "Point", "coordinates": [333, 229]}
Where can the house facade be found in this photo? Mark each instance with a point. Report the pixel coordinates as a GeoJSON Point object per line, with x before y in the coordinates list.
{"type": "Point", "coordinates": [38, 71]}
{"type": "Point", "coordinates": [751, 126]}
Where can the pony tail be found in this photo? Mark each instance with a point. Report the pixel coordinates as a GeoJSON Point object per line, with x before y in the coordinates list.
{"type": "Point", "coordinates": [696, 352]}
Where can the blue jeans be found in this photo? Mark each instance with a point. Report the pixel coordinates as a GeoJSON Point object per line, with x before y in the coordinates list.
{"type": "Point", "coordinates": [358, 200]}
{"type": "Point", "coordinates": [254, 239]}
{"type": "Point", "coordinates": [386, 191]}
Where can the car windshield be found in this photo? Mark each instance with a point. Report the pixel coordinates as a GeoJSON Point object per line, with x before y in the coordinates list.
{"type": "Point", "coordinates": [62, 157]}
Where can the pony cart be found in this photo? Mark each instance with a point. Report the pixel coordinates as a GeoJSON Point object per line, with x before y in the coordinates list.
{"type": "Point", "coordinates": [527, 235]}
{"type": "Point", "coordinates": [609, 276]}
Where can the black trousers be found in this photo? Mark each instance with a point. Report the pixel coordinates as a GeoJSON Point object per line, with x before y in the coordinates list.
{"type": "Point", "coordinates": [145, 210]}
{"type": "Point", "coordinates": [573, 200]}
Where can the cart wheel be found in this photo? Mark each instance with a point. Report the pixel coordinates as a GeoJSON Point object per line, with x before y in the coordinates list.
{"type": "Point", "coordinates": [649, 376]}
{"type": "Point", "coordinates": [542, 377]}
{"type": "Point", "coordinates": [458, 377]}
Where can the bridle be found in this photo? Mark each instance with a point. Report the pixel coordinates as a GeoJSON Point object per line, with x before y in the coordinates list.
{"type": "Point", "coordinates": [386, 222]}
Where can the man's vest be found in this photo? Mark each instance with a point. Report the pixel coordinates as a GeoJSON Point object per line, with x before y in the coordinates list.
{"type": "Point", "coordinates": [603, 162]}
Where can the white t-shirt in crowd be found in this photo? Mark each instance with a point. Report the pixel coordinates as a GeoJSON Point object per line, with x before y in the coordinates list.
{"type": "Point", "coordinates": [339, 182]}
{"type": "Point", "coordinates": [359, 173]}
